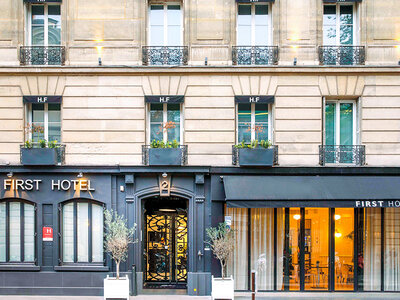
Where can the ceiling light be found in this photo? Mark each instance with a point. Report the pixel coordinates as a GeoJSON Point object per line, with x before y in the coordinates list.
{"type": "Point", "coordinates": [338, 234]}
{"type": "Point", "coordinates": [296, 217]}
{"type": "Point", "coordinates": [167, 210]}
{"type": "Point", "coordinates": [338, 217]}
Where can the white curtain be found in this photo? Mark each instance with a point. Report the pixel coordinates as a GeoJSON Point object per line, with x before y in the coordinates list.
{"type": "Point", "coordinates": [83, 232]}
{"type": "Point", "coordinates": [372, 249]}
{"type": "Point", "coordinates": [262, 247]}
{"type": "Point", "coordinates": [238, 264]}
{"type": "Point", "coordinates": [97, 233]}
{"type": "Point", "coordinates": [68, 232]}
{"type": "Point", "coordinates": [2, 232]}
{"type": "Point", "coordinates": [280, 223]}
{"type": "Point", "coordinates": [15, 231]}
{"type": "Point", "coordinates": [392, 249]}
{"type": "Point", "coordinates": [29, 232]}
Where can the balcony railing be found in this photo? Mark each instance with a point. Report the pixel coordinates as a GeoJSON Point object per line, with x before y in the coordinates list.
{"type": "Point", "coordinates": [342, 154]}
{"type": "Point", "coordinates": [37, 156]}
{"type": "Point", "coordinates": [341, 55]}
{"type": "Point", "coordinates": [255, 55]}
{"type": "Point", "coordinates": [165, 56]}
{"type": "Point", "coordinates": [42, 55]}
{"type": "Point", "coordinates": [164, 156]}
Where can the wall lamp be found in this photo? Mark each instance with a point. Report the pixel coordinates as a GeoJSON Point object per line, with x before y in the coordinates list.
{"type": "Point", "coordinates": [295, 61]}
{"type": "Point", "coordinates": [10, 174]}
{"type": "Point", "coordinates": [80, 175]}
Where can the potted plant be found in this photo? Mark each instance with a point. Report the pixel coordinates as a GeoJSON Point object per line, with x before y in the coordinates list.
{"type": "Point", "coordinates": [222, 243]}
{"type": "Point", "coordinates": [257, 153]}
{"type": "Point", "coordinates": [118, 236]}
{"type": "Point", "coordinates": [165, 153]}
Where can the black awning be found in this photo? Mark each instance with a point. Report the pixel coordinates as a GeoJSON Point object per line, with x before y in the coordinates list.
{"type": "Point", "coordinates": [43, 1]}
{"type": "Point", "coordinates": [254, 1]}
{"type": "Point", "coordinates": [341, 1]}
{"type": "Point", "coordinates": [254, 99]}
{"type": "Point", "coordinates": [312, 191]}
{"type": "Point", "coordinates": [42, 99]}
{"type": "Point", "coordinates": [164, 99]}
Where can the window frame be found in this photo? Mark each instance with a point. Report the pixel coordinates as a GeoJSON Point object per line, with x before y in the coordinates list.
{"type": "Point", "coordinates": [22, 233]}
{"type": "Point", "coordinates": [165, 118]}
{"type": "Point", "coordinates": [253, 25]}
{"type": "Point", "coordinates": [75, 233]}
{"type": "Point", "coordinates": [29, 118]}
{"type": "Point", "coordinates": [253, 119]}
{"type": "Point", "coordinates": [356, 24]}
{"type": "Point", "coordinates": [46, 23]}
{"type": "Point", "coordinates": [165, 24]}
{"type": "Point", "coordinates": [337, 120]}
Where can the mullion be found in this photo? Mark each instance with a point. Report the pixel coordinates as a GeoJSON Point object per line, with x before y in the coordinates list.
{"type": "Point", "coordinates": [286, 277]}
{"type": "Point", "coordinates": [248, 248]}
{"type": "Point", "coordinates": [275, 248]}
{"type": "Point", "coordinates": [331, 273]}
{"type": "Point", "coordinates": [21, 230]}
{"type": "Point", "coordinates": [90, 248]}
{"type": "Point", "coordinates": [355, 251]}
{"type": "Point", "coordinates": [302, 248]}
{"type": "Point", "coordinates": [75, 232]}
{"type": "Point", "coordinates": [7, 231]}
{"type": "Point", "coordinates": [382, 249]}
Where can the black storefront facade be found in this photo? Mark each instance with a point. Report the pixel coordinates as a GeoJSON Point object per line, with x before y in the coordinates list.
{"type": "Point", "coordinates": [287, 223]}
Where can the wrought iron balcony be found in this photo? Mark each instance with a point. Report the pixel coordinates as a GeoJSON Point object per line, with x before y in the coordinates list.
{"type": "Point", "coordinates": [342, 154]}
{"type": "Point", "coordinates": [164, 156]}
{"type": "Point", "coordinates": [259, 157]}
{"type": "Point", "coordinates": [42, 55]}
{"type": "Point", "coordinates": [165, 56]}
{"type": "Point", "coordinates": [341, 55]}
{"type": "Point", "coordinates": [255, 55]}
{"type": "Point", "coordinates": [37, 156]}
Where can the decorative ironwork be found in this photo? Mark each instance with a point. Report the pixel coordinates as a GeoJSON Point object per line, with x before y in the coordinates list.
{"type": "Point", "coordinates": [255, 55]}
{"type": "Point", "coordinates": [165, 55]}
{"type": "Point", "coordinates": [166, 248]}
{"type": "Point", "coordinates": [235, 155]}
{"type": "Point", "coordinates": [145, 154]}
{"type": "Point", "coordinates": [341, 55]}
{"type": "Point", "coordinates": [342, 154]}
{"type": "Point", "coordinates": [60, 150]}
{"type": "Point", "coordinates": [42, 55]}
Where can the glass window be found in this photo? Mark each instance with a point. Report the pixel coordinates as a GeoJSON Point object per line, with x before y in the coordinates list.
{"type": "Point", "coordinates": [165, 122]}
{"type": "Point", "coordinates": [45, 25]}
{"type": "Point", "coordinates": [392, 249]}
{"type": "Point", "coordinates": [80, 221]}
{"type": "Point", "coordinates": [253, 122]}
{"type": "Point", "coordinates": [338, 19]}
{"type": "Point", "coordinates": [45, 122]}
{"type": "Point", "coordinates": [165, 25]}
{"type": "Point", "coordinates": [253, 25]}
{"type": "Point", "coordinates": [17, 216]}
{"type": "Point", "coordinates": [292, 257]}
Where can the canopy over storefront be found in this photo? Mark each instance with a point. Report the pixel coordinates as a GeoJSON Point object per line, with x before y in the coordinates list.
{"type": "Point", "coordinates": [312, 191]}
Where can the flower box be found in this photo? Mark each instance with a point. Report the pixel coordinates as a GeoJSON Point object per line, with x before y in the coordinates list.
{"type": "Point", "coordinates": [263, 157]}
{"type": "Point", "coordinates": [116, 288]}
{"type": "Point", "coordinates": [165, 156]}
{"type": "Point", "coordinates": [222, 288]}
{"type": "Point", "coordinates": [39, 156]}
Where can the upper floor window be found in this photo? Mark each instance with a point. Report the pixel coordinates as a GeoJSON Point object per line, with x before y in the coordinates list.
{"type": "Point", "coordinates": [44, 25]}
{"type": "Point", "coordinates": [253, 25]}
{"type": "Point", "coordinates": [340, 122]}
{"type": "Point", "coordinates": [165, 24]}
{"type": "Point", "coordinates": [17, 232]}
{"type": "Point", "coordinates": [165, 122]}
{"type": "Point", "coordinates": [44, 121]}
{"type": "Point", "coordinates": [254, 121]}
{"type": "Point", "coordinates": [338, 25]}
{"type": "Point", "coordinates": [82, 232]}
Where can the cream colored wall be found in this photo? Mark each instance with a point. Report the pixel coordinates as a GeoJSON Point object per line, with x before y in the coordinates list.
{"type": "Point", "coordinates": [103, 116]}
{"type": "Point", "coordinates": [120, 26]}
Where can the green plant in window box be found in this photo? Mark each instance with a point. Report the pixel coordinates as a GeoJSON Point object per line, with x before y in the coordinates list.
{"type": "Point", "coordinates": [161, 144]}
{"type": "Point", "coordinates": [53, 144]}
{"type": "Point", "coordinates": [42, 143]}
{"type": "Point", "coordinates": [254, 144]}
{"type": "Point", "coordinates": [28, 144]}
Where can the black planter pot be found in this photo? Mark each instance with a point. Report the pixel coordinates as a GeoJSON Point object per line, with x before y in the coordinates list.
{"type": "Point", "coordinates": [165, 156]}
{"type": "Point", "coordinates": [39, 156]}
{"type": "Point", "coordinates": [256, 157]}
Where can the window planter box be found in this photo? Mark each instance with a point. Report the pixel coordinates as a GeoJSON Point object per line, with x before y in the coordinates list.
{"type": "Point", "coordinates": [116, 288]}
{"type": "Point", "coordinates": [262, 157]}
{"type": "Point", "coordinates": [39, 156]}
{"type": "Point", "coordinates": [164, 156]}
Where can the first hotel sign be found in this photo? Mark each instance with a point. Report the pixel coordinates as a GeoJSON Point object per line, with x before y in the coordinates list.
{"type": "Point", "coordinates": [56, 185]}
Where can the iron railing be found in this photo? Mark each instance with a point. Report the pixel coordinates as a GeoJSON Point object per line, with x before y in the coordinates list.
{"type": "Point", "coordinates": [42, 55]}
{"type": "Point", "coordinates": [146, 148]}
{"type": "Point", "coordinates": [342, 154]}
{"type": "Point", "coordinates": [235, 155]}
{"type": "Point", "coordinates": [165, 55]}
{"type": "Point", "coordinates": [255, 55]}
{"type": "Point", "coordinates": [60, 150]}
{"type": "Point", "coordinates": [341, 55]}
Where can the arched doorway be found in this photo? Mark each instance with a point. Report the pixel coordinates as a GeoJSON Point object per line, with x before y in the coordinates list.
{"type": "Point", "coordinates": [165, 242]}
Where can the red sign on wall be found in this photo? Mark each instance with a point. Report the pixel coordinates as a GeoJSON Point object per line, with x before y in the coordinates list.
{"type": "Point", "coordinates": [47, 234]}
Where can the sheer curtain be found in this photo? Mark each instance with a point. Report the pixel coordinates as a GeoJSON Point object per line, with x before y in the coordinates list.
{"type": "Point", "coordinates": [2, 232]}
{"type": "Point", "coordinates": [29, 232]}
{"type": "Point", "coordinates": [392, 249]}
{"type": "Point", "coordinates": [262, 247]}
{"type": "Point", "coordinates": [97, 233]}
{"type": "Point", "coordinates": [280, 224]}
{"type": "Point", "coordinates": [238, 263]}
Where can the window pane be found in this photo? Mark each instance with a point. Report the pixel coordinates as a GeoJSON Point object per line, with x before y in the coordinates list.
{"type": "Point", "coordinates": [262, 247]}
{"type": "Point", "coordinates": [261, 10]}
{"type": "Point", "coordinates": [261, 118]}
{"type": "Point", "coordinates": [2, 232]}
{"type": "Point", "coordinates": [346, 124]}
{"type": "Point", "coordinates": [280, 231]}
{"type": "Point", "coordinates": [346, 24]}
{"type": "Point", "coordinates": [157, 25]}
{"type": "Point", "coordinates": [68, 232]}
{"type": "Point", "coordinates": [261, 25]}
{"type": "Point", "coordinates": [174, 19]}
{"type": "Point", "coordinates": [97, 233]}
{"type": "Point", "coordinates": [54, 25]}
{"type": "Point", "coordinates": [173, 119]}
{"type": "Point", "coordinates": [156, 122]}
{"type": "Point", "coordinates": [330, 124]}
{"type": "Point", "coordinates": [392, 249]}
{"type": "Point", "coordinates": [174, 35]}
{"type": "Point", "coordinates": [15, 231]}
{"type": "Point", "coordinates": [37, 129]}
{"type": "Point", "coordinates": [293, 256]}
{"type": "Point", "coordinates": [237, 266]}
{"type": "Point", "coordinates": [83, 232]}
{"type": "Point", "coordinates": [244, 122]}
{"type": "Point", "coordinates": [37, 25]}
{"type": "Point", "coordinates": [244, 25]}
{"type": "Point", "coordinates": [54, 130]}
{"type": "Point", "coordinates": [329, 25]}
{"type": "Point", "coordinates": [29, 232]}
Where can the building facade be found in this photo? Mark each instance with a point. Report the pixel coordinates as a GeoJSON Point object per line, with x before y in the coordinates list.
{"type": "Point", "coordinates": [281, 118]}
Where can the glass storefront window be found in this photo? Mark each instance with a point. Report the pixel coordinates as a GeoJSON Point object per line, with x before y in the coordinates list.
{"type": "Point", "coordinates": [293, 254]}
{"type": "Point", "coordinates": [392, 249]}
